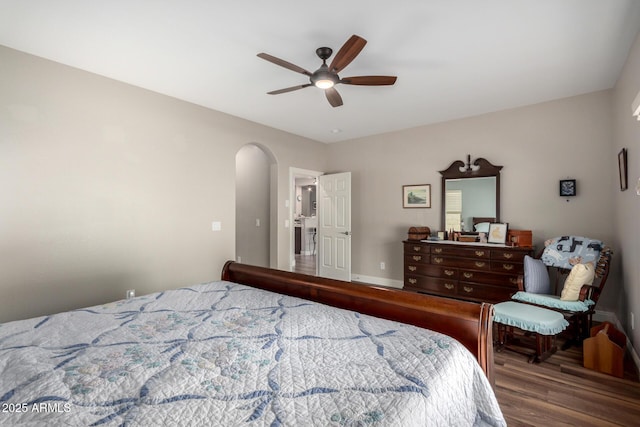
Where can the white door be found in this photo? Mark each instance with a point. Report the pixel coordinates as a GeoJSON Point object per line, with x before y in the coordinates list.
{"type": "Point", "coordinates": [334, 226]}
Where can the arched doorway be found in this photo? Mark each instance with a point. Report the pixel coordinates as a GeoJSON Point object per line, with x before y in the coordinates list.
{"type": "Point", "coordinates": [255, 170]}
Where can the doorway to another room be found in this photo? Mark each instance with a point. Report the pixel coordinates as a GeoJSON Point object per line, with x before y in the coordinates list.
{"type": "Point", "coordinates": [255, 220]}
{"type": "Point", "coordinates": [305, 222]}
{"type": "Point", "coordinates": [321, 224]}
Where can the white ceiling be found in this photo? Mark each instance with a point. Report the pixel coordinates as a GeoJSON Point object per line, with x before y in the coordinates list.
{"type": "Point", "coordinates": [453, 58]}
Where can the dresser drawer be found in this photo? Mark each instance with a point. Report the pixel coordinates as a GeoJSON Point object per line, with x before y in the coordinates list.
{"type": "Point", "coordinates": [479, 264]}
{"type": "Point", "coordinates": [508, 255]}
{"type": "Point", "coordinates": [488, 277]}
{"type": "Point", "coordinates": [430, 270]}
{"type": "Point", "coordinates": [507, 267]}
{"type": "Point", "coordinates": [431, 285]}
{"type": "Point", "coordinates": [461, 252]}
{"type": "Point", "coordinates": [415, 248]}
{"type": "Point", "coordinates": [416, 259]}
{"type": "Point", "coordinates": [481, 292]}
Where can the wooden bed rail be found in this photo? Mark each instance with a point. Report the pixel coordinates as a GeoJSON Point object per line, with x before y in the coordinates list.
{"type": "Point", "coordinates": [469, 323]}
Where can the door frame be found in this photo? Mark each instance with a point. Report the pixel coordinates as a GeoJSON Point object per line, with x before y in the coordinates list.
{"type": "Point", "coordinates": [293, 174]}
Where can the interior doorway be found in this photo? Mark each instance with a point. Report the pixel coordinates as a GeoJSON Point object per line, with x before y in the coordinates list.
{"type": "Point", "coordinates": [255, 222]}
{"type": "Point", "coordinates": [304, 220]}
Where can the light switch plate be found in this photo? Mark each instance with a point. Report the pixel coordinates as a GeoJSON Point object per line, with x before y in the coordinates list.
{"type": "Point", "coordinates": [216, 226]}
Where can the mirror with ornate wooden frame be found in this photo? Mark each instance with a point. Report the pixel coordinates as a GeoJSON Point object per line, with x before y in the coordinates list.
{"type": "Point", "coordinates": [476, 187]}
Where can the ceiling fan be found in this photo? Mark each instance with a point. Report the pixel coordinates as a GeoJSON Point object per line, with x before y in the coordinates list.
{"type": "Point", "coordinates": [326, 77]}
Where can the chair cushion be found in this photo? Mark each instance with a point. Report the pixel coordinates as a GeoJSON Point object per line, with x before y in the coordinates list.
{"type": "Point", "coordinates": [536, 276]}
{"type": "Point", "coordinates": [529, 318]}
{"type": "Point", "coordinates": [581, 274]}
{"type": "Point", "coordinates": [553, 301]}
{"type": "Point", "coordinates": [566, 251]}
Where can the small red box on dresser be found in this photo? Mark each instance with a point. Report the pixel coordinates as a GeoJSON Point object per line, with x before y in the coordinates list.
{"type": "Point", "coordinates": [522, 238]}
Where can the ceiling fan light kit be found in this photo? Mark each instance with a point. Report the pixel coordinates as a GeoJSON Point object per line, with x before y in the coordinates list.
{"type": "Point", "coordinates": [326, 77]}
{"type": "Point", "coordinates": [322, 77]}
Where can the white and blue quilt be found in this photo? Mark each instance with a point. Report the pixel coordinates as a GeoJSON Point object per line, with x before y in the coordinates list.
{"type": "Point", "coordinates": [223, 354]}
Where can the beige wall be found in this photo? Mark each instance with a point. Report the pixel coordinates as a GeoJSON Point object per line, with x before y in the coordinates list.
{"type": "Point", "coordinates": [106, 187]}
{"type": "Point", "coordinates": [537, 145]}
{"type": "Point", "coordinates": [627, 203]}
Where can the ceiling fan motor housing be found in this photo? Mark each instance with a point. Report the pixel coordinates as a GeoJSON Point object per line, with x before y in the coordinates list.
{"type": "Point", "coordinates": [324, 53]}
{"type": "Point", "coordinates": [323, 73]}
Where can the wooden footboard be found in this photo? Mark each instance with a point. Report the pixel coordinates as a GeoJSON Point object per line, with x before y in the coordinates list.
{"type": "Point", "coordinates": [467, 322]}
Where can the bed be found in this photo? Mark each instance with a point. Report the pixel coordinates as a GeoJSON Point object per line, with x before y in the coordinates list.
{"type": "Point", "coordinates": [259, 347]}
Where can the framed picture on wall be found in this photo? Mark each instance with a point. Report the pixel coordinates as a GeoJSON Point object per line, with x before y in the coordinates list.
{"type": "Point", "coordinates": [567, 187]}
{"type": "Point", "coordinates": [416, 196]}
{"type": "Point", "coordinates": [497, 232]}
{"type": "Point", "coordinates": [622, 169]}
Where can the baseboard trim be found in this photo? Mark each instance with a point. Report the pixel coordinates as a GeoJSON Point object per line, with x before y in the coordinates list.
{"type": "Point", "coordinates": [379, 281]}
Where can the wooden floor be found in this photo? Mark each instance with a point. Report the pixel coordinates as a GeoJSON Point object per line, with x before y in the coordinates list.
{"type": "Point", "coordinates": [560, 392]}
{"type": "Point", "coordinates": [306, 264]}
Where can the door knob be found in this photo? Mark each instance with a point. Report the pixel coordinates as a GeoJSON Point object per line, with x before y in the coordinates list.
{"type": "Point", "coordinates": [346, 233]}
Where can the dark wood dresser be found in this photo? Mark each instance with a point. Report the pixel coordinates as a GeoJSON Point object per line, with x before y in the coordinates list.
{"type": "Point", "coordinates": [470, 271]}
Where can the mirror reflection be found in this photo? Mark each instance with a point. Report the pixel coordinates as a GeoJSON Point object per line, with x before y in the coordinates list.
{"type": "Point", "coordinates": [469, 198]}
{"type": "Point", "coordinates": [470, 195]}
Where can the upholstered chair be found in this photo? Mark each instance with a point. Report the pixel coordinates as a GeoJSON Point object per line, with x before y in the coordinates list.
{"type": "Point", "coordinates": [568, 276]}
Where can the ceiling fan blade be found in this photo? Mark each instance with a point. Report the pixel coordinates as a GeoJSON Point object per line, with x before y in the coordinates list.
{"type": "Point", "coordinates": [347, 53]}
{"type": "Point", "coordinates": [333, 97]}
{"type": "Point", "coordinates": [283, 63]}
{"type": "Point", "coordinates": [289, 89]}
{"type": "Point", "coordinates": [369, 80]}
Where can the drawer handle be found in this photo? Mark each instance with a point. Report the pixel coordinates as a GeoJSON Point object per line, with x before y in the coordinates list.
{"type": "Point", "coordinates": [507, 255]}
{"type": "Point", "coordinates": [417, 257]}
{"type": "Point", "coordinates": [416, 248]}
{"type": "Point", "coordinates": [507, 267]}
{"type": "Point", "coordinates": [479, 253]}
{"type": "Point", "coordinates": [513, 280]}
{"type": "Point", "coordinates": [467, 289]}
{"type": "Point", "coordinates": [480, 264]}
{"type": "Point", "coordinates": [449, 272]}
{"type": "Point", "coordinates": [413, 281]}
{"type": "Point", "coordinates": [437, 260]}
{"type": "Point", "coordinates": [412, 268]}
{"type": "Point", "coordinates": [467, 275]}
{"type": "Point", "coordinates": [437, 250]}
{"type": "Point", "coordinates": [448, 286]}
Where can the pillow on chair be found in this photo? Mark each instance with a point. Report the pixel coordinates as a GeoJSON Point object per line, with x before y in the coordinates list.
{"type": "Point", "coordinates": [536, 276]}
{"type": "Point", "coordinates": [581, 274]}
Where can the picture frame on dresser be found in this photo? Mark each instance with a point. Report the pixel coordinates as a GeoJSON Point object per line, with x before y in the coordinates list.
{"type": "Point", "coordinates": [416, 196]}
{"type": "Point", "coordinates": [498, 233]}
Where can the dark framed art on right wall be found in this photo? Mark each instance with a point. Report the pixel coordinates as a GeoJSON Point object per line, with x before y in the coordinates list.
{"type": "Point", "coordinates": [622, 169]}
